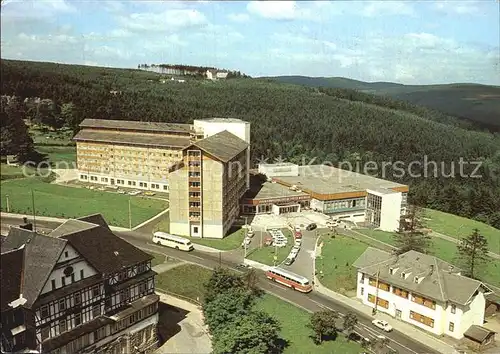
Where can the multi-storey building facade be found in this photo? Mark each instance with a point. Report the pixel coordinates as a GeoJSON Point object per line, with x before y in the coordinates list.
{"type": "Point", "coordinates": [422, 290]}
{"type": "Point", "coordinates": [206, 163]}
{"type": "Point", "coordinates": [207, 187]}
{"type": "Point", "coordinates": [85, 290]}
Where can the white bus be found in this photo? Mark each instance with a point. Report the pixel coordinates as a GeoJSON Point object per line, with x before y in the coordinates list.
{"type": "Point", "coordinates": [177, 242]}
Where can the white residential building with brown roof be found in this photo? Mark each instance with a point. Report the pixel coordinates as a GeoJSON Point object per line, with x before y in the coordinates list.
{"type": "Point", "coordinates": [422, 290]}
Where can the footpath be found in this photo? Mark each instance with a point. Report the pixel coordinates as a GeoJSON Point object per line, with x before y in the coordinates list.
{"type": "Point", "coordinates": [192, 336]}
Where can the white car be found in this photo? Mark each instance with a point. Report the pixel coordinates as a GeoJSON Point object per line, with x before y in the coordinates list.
{"type": "Point", "coordinates": [298, 242]}
{"type": "Point", "coordinates": [382, 325]}
{"type": "Point", "coordinates": [134, 193]}
{"type": "Point", "coordinates": [296, 249]}
{"type": "Point", "coordinates": [297, 229]}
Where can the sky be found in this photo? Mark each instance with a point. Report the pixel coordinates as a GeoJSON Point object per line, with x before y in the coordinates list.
{"type": "Point", "coordinates": [409, 42]}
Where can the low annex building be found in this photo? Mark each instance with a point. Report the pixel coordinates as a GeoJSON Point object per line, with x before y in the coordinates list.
{"type": "Point", "coordinates": [422, 290]}
{"type": "Point", "coordinates": [345, 195]}
{"type": "Point", "coordinates": [81, 289]}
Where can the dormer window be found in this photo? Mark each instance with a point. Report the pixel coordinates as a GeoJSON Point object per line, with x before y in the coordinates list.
{"type": "Point", "coordinates": [391, 271]}
{"type": "Point", "coordinates": [416, 279]}
{"type": "Point", "coordinates": [403, 275]}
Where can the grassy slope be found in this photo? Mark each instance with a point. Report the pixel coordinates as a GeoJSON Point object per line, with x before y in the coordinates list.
{"type": "Point", "coordinates": [68, 202]}
{"type": "Point", "coordinates": [188, 280]}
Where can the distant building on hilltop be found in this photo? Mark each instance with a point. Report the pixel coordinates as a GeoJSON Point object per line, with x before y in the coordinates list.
{"type": "Point", "coordinates": [214, 74]}
{"type": "Point", "coordinates": [81, 289]}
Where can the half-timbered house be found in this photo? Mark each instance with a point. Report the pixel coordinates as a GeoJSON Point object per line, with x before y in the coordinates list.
{"type": "Point", "coordinates": [86, 289]}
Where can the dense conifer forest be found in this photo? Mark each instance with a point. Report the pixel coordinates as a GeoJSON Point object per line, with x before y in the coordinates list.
{"type": "Point", "coordinates": [295, 122]}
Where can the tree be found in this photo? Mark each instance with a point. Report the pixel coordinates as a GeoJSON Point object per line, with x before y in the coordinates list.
{"type": "Point", "coordinates": [250, 281]}
{"type": "Point", "coordinates": [255, 333]}
{"type": "Point", "coordinates": [222, 280]}
{"type": "Point", "coordinates": [70, 115]}
{"type": "Point", "coordinates": [473, 253]}
{"type": "Point", "coordinates": [323, 324]}
{"type": "Point", "coordinates": [411, 235]}
{"type": "Point", "coordinates": [14, 135]}
{"type": "Point", "coordinates": [350, 322]}
{"type": "Point", "coordinates": [379, 345]}
{"type": "Point", "coordinates": [226, 308]}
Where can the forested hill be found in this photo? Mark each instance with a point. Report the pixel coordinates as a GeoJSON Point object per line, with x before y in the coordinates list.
{"type": "Point", "coordinates": [295, 122]}
{"type": "Point", "coordinates": [478, 104]}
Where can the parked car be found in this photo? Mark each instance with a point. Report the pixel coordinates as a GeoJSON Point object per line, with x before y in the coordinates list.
{"type": "Point", "coordinates": [297, 228]}
{"type": "Point", "coordinates": [134, 193]}
{"type": "Point", "coordinates": [149, 193]}
{"type": "Point", "coordinates": [311, 227]}
{"type": "Point", "coordinates": [121, 191]}
{"type": "Point", "coordinates": [289, 261]}
{"type": "Point", "coordinates": [297, 235]}
{"type": "Point", "coordinates": [383, 325]}
{"type": "Point", "coordinates": [296, 248]}
{"type": "Point", "coordinates": [250, 233]}
{"type": "Point", "coordinates": [298, 242]}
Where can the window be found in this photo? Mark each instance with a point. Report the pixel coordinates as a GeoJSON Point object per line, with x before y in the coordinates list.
{"type": "Point", "coordinates": [96, 310]}
{"type": "Point", "coordinates": [195, 229]}
{"type": "Point", "coordinates": [95, 291]}
{"type": "Point", "coordinates": [78, 298]}
{"type": "Point", "coordinates": [63, 281]}
{"type": "Point", "coordinates": [451, 327]}
{"type": "Point", "coordinates": [422, 319]}
{"type": "Point", "coordinates": [81, 274]}
{"type": "Point", "coordinates": [62, 304]}
{"type": "Point", "coordinates": [380, 302]}
{"type": "Point", "coordinates": [66, 254]}
{"type": "Point", "coordinates": [78, 319]}
{"type": "Point", "coordinates": [53, 282]}
{"type": "Point", "coordinates": [62, 325]}
{"type": "Point", "coordinates": [453, 309]}
{"type": "Point", "coordinates": [72, 277]}
{"type": "Point", "coordinates": [400, 292]}
{"type": "Point", "coordinates": [45, 332]}
{"type": "Point", "coordinates": [362, 291]}
{"type": "Point", "coordinates": [44, 312]}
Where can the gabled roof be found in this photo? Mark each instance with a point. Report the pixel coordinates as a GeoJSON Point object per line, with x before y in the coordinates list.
{"type": "Point", "coordinates": [11, 275]}
{"type": "Point", "coordinates": [105, 251]}
{"type": "Point", "coordinates": [223, 145]}
{"type": "Point", "coordinates": [438, 280]}
{"type": "Point", "coordinates": [97, 219]}
{"type": "Point", "coordinates": [478, 333]}
{"type": "Point", "coordinates": [41, 255]}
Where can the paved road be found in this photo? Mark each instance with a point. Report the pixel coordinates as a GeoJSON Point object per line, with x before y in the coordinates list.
{"type": "Point", "coordinates": [310, 302]}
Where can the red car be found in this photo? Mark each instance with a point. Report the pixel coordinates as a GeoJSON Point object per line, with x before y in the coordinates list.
{"type": "Point", "coordinates": [297, 234]}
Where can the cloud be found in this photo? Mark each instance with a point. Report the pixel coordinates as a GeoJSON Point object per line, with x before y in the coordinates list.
{"type": "Point", "coordinates": [464, 7]}
{"type": "Point", "coordinates": [275, 10]}
{"type": "Point", "coordinates": [167, 21]}
{"type": "Point", "coordinates": [36, 9]}
{"type": "Point", "coordinates": [387, 8]}
{"type": "Point", "coordinates": [238, 17]}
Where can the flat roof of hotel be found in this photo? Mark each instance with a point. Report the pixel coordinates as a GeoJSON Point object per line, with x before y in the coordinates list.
{"type": "Point", "coordinates": [135, 125]}
{"type": "Point", "coordinates": [131, 139]}
{"type": "Point", "coordinates": [324, 179]}
{"type": "Point", "coordinates": [269, 190]}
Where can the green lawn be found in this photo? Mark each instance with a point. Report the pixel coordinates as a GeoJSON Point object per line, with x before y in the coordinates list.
{"type": "Point", "coordinates": [293, 321]}
{"type": "Point", "coordinates": [59, 156]}
{"type": "Point", "coordinates": [266, 254]}
{"type": "Point", "coordinates": [159, 258]}
{"type": "Point", "coordinates": [70, 202]}
{"type": "Point", "coordinates": [9, 172]}
{"type": "Point", "coordinates": [459, 227]}
{"type": "Point", "coordinates": [187, 280]}
{"type": "Point", "coordinates": [163, 224]}
{"type": "Point", "coordinates": [60, 137]}
{"type": "Point", "coordinates": [232, 241]}
{"type": "Point", "coordinates": [443, 249]}
{"type": "Point", "coordinates": [335, 263]}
